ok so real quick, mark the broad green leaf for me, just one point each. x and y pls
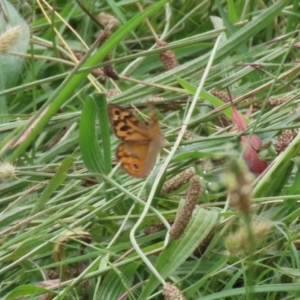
(14, 38)
(89, 147)
(177, 251)
(27, 291)
(118, 281)
(13, 25)
(279, 168)
(101, 105)
(201, 282)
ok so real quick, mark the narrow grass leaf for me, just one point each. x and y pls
(242, 49)
(205, 95)
(233, 15)
(294, 189)
(54, 183)
(268, 289)
(279, 181)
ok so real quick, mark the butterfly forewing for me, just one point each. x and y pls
(126, 126)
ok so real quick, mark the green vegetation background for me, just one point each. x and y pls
(73, 226)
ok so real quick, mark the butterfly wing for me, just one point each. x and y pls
(126, 126)
(138, 159)
(132, 157)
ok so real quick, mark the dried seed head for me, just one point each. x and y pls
(107, 20)
(99, 74)
(154, 99)
(240, 243)
(171, 292)
(178, 180)
(286, 137)
(102, 36)
(7, 171)
(52, 274)
(186, 212)
(295, 110)
(167, 57)
(10, 38)
(59, 252)
(276, 101)
(203, 245)
(238, 180)
(157, 227)
(78, 55)
(222, 95)
(226, 98)
(109, 70)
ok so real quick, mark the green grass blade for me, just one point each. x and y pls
(54, 183)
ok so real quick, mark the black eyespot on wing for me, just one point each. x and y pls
(136, 167)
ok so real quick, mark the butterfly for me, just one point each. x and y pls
(141, 143)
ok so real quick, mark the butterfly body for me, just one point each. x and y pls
(141, 143)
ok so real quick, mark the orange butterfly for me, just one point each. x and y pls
(141, 143)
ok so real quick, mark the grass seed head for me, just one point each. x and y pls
(186, 212)
(7, 171)
(167, 57)
(107, 20)
(286, 137)
(240, 243)
(10, 38)
(171, 292)
(178, 180)
(239, 180)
